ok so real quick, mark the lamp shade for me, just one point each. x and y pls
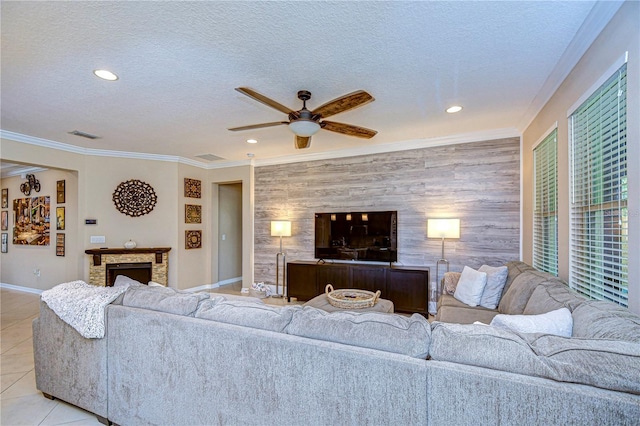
(443, 228)
(280, 228)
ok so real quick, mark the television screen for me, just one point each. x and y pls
(368, 236)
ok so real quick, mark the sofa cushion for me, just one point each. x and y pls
(558, 322)
(163, 299)
(598, 319)
(515, 299)
(515, 268)
(549, 297)
(607, 364)
(483, 346)
(246, 313)
(453, 310)
(386, 332)
(470, 286)
(496, 279)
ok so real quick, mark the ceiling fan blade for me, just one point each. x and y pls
(303, 142)
(348, 129)
(258, 126)
(343, 103)
(261, 98)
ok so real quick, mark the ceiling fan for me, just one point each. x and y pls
(304, 123)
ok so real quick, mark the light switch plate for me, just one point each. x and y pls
(98, 239)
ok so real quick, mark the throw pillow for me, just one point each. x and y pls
(496, 279)
(558, 322)
(451, 282)
(470, 286)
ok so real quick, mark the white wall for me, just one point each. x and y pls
(621, 35)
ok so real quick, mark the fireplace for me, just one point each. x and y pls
(141, 264)
(138, 271)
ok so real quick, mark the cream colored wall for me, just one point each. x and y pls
(229, 225)
(20, 261)
(195, 264)
(159, 228)
(244, 175)
(621, 35)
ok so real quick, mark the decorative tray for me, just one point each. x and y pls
(350, 298)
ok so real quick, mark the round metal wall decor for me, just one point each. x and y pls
(134, 198)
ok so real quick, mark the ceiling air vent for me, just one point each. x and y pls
(209, 157)
(83, 134)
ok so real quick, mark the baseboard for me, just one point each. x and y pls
(21, 288)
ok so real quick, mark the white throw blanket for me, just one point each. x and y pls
(81, 305)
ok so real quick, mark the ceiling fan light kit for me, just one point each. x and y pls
(304, 127)
(305, 123)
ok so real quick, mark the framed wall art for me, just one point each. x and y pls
(60, 193)
(192, 239)
(5, 198)
(31, 220)
(60, 218)
(192, 213)
(60, 244)
(5, 242)
(192, 188)
(5, 220)
(134, 198)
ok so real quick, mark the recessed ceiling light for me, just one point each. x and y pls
(105, 75)
(455, 108)
(252, 141)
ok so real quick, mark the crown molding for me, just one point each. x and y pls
(352, 152)
(394, 147)
(598, 18)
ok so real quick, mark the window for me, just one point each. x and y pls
(599, 217)
(545, 211)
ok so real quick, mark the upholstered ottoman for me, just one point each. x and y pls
(321, 302)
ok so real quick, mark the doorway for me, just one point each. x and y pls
(230, 234)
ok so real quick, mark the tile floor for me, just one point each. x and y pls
(21, 403)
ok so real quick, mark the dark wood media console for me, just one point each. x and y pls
(406, 287)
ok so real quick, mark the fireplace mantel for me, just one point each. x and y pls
(100, 258)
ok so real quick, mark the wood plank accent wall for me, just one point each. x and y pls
(477, 182)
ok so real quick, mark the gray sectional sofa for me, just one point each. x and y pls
(187, 359)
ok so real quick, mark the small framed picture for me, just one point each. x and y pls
(60, 194)
(193, 240)
(59, 244)
(5, 220)
(5, 198)
(192, 188)
(5, 242)
(192, 213)
(60, 218)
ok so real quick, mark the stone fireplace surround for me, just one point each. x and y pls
(158, 257)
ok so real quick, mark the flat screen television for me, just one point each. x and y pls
(366, 236)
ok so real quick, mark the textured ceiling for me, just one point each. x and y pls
(179, 62)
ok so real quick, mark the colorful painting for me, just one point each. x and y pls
(5, 198)
(5, 220)
(31, 217)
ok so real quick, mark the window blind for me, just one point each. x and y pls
(598, 212)
(545, 214)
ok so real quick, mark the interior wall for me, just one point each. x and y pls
(38, 267)
(621, 35)
(477, 182)
(230, 232)
(245, 176)
(194, 264)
